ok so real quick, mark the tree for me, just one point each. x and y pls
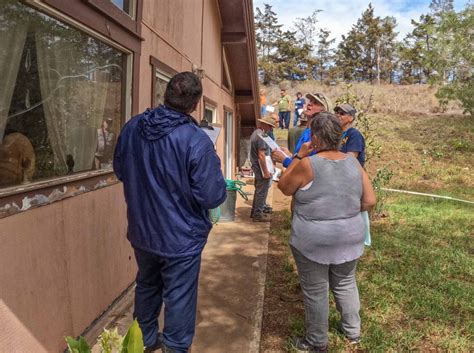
(366, 53)
(455, 49)
(292, 60)
(306, 28)
(324, 54)
(440, 7)
(267, 30)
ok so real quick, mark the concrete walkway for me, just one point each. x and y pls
(231, 289)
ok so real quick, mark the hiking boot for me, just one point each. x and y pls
(157, 346)
(301, 345)
(153, 349)
(268, 210)
(262, 218)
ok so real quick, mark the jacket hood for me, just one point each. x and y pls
(160, 122)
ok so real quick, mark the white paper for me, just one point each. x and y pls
(272, 144)
(213, 134)
(300, 111)
(270, 108)
(270, 165)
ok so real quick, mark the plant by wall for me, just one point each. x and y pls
(110, 341)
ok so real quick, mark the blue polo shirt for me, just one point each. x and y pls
(353, 141)
(305, 137)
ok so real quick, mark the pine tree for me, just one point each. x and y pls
(306, 28)
(366, 53)
(324, 54)
(267, 30)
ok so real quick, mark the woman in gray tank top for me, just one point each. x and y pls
(327, 233)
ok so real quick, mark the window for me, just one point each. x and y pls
(210, 114)
(210, 110)
(125, 5)
(62, 98)
(161, 81)
(162, 74)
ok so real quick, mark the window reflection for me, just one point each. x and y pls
(161, 81)
(60, 103)
(124, 5)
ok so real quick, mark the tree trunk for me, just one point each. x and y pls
(378, 63)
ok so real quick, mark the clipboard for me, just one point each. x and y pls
(210, 130)
(272, 144)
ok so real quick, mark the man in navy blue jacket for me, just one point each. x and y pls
(171, 177)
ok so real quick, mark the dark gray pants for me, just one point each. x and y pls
(316, 279)
(261, 192)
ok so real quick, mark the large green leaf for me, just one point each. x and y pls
(77, 346)
(133, 341)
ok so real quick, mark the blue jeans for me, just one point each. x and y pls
(284, 119)
(297, 116)
(173, 281)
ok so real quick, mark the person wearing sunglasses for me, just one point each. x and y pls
(352, 141)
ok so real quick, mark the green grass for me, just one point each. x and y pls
(416, 280)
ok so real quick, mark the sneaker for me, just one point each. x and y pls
(353, 341)
(301, 345)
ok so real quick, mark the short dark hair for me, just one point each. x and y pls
(327, 128)
(299, 93)
(183, 92)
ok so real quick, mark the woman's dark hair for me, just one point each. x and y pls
(183, 92)
(327, 128)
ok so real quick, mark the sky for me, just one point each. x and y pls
(339, 16)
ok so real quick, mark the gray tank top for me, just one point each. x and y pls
(327, 225)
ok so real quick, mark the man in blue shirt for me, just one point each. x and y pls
(171, 177)
(352, 140)
(317, 103)
(299, 106)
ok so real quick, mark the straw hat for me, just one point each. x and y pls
(267, 120)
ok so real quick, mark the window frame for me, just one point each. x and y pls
(211, 105)
(159, 67)
(129, 99)
(230, 155)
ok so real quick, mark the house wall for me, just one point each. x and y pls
(63, 264)
(185, 42)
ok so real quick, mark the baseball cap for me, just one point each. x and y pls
(346, 108)
(320, 98)
(267, 120)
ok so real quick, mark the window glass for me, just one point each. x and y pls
(210, 114)
(125, 5)
(161, 81)
(61, 98)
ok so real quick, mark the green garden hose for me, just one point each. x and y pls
(236, 185)
(231, 185)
